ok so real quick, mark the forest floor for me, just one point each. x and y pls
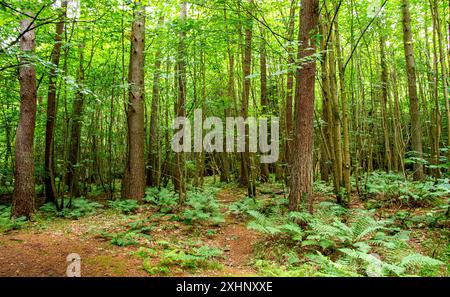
(151, 241)
(42, 249)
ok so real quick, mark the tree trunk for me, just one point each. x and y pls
(345, 125)
(75, 133)
(246, 68)
(153, 147)
(335, 124)
(326, 154)
(264, 102)
(302, 163)
(290, 82)
(443, 70)
(24, 194)
(224, 173)
(435, 133)
(384, 100)
(416, 130)
(179, 168)
(49, 179)
(133, 184)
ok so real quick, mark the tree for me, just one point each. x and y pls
(24, 193)
(179, 174)
(133, 183)
(290, 81)
(384, 100)
(414, 112)
(345, 123)
(75, 130)
(153, 161)
(302, 162)
(245, 179)
(49, 179)
(264, 99)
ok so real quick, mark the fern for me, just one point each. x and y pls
(418, 260)
(242, 207)
(165, 199)
(7, 223)
(203, 207)
(125, 206)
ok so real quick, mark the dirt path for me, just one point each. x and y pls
(42, 251)
(235, 239)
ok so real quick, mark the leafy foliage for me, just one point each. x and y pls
(79, 208)
(125, 206)
(6, 223)
(393, 188)
(356, 243)
(175, 257)
(240, 208)
(202, 207)
(165, 199)
(134, 233)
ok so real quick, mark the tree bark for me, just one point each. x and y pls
(335, 123)
(263, 99)
(326, 153)
(24, 194)
(345, 125)
(133, 184)
(49, 179)
(414, 110)
(153, 147)
(290, 83)
(302, 163)
(75, 132)
(246, 69)
(179, 168)
(384, 100)
(443, 70)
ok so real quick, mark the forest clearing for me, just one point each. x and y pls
(300, 138)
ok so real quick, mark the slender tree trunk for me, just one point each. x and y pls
(49, 179)
(24, 194)
(264, 101)
(399, 144)
(435, 135)
(153, 147)
(335, 124)
(246, 68)
(224, 173)
(345, 124)
(384, 100)
(179, 168)
(201, 155)
(133, 184)
(75, 133)
(414, 111)
(326, 153)
(111, 177)
(443, 69)
(290, 83)
(302, 163)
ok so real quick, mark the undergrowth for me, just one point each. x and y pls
(7, 223)
(79, 208)
(334, 241)
(175, 258)
(393, 188)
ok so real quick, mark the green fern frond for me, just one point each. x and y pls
(418, 260)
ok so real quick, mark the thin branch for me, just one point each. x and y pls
(363, 32)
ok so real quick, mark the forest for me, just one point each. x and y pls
(225, 138)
